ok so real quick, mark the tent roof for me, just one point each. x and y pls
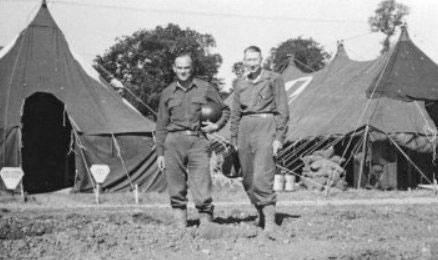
(335, 102)
(40, 61)
(408, 75)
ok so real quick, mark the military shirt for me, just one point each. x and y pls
(266, 94)
(180, 109)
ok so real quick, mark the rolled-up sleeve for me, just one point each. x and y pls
(161, 126)
(236, 115)
(282, 109)
(214, 96)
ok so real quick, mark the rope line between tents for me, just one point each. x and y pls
(127, 89)
(80, 146)
(119, 153)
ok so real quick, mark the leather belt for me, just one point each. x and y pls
(187, 132)
(259, 114)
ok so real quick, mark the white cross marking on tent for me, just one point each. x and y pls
(306, 81)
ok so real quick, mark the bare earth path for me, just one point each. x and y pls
(348, 225)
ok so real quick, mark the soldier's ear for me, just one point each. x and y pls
(174, 68)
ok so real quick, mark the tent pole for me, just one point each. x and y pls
(119, 153)
(364, 153)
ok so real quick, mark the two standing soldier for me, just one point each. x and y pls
(259, 119)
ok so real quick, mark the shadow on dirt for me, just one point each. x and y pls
(284, 217)
(234, 219)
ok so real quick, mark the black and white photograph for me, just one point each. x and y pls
(219, 129)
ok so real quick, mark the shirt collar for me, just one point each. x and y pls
(178, 86)
(261, 77)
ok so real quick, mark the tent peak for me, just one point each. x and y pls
(341, 50)
(44, 4)
(404, 36)
(291, 59)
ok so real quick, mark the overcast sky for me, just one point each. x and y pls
(92, 26)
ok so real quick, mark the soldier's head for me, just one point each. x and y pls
(183, 67)
(252, 59)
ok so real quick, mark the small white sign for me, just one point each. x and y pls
(11, 177)
(99, 172)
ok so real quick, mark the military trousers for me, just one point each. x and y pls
(187, 160)
(255, 137)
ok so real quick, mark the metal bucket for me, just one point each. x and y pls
(290, 183)
(278, 182)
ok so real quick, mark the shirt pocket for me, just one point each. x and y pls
(196, 105)
(173, 104)
(265, 95)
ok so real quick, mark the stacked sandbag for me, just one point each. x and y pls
(322, 169)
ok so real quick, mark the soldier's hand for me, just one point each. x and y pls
(276, 146)
(234, 143)
(209, 127)
(161, 163)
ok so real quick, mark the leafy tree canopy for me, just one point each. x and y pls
(387, 17)
(309, 55)
(143, 62)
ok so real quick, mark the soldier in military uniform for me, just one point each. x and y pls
(259, 117)
(182, 146)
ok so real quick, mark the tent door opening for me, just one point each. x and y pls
(46, 138)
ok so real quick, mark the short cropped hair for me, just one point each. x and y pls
(182, 54)
(252, 48)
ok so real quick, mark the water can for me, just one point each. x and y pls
(278, 182)
(290, 183)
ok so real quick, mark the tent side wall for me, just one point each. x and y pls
(10, 149)
(131, 158)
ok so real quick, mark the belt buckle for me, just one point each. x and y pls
(191, 133)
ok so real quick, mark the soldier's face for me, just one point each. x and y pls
(252, 61)
(183, 68)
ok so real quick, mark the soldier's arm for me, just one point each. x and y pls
(213, 95)
(161, 126)
(236, 115)
(282, 107)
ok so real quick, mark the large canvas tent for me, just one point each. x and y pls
(362, 106)
(58, 117)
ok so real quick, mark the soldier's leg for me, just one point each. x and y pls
(264, 171)
(246, 157)
(176, 176)
(199, 177)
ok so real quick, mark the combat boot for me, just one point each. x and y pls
(205, 218)
(260, 221)
(180, 217)
(269, 215)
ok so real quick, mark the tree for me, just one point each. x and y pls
(308, 54)
(143, 62)
(238, 69)
(387, 17)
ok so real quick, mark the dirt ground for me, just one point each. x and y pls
(344, 225)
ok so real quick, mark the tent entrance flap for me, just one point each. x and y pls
(46, 138)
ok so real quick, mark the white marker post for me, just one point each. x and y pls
(99, 172)
(136, 193)
(11, 177)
